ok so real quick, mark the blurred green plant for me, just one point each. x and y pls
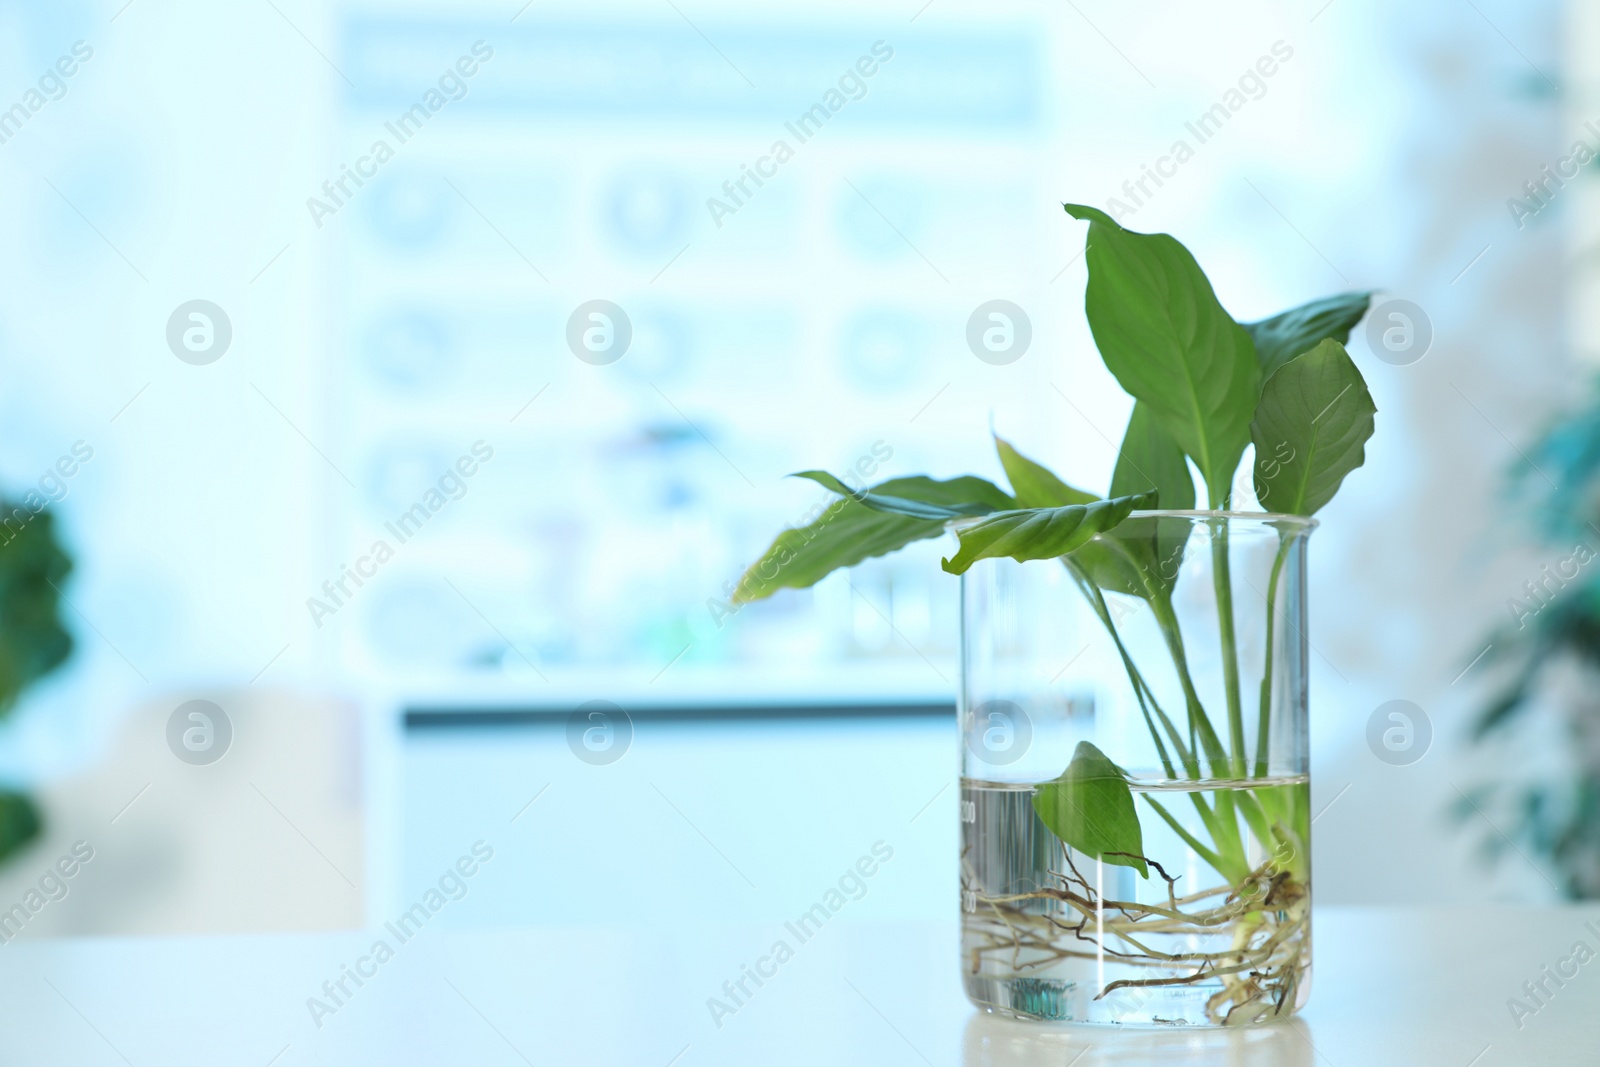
(1552, 635)
(32, 640)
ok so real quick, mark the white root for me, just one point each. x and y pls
(1256, 974)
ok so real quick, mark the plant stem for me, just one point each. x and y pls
(1226, 837)
(1216, 756)
(1264, 724)
(1216, 861)
(1223, 581)
(1153, 591)
(1255, 817)
(1225, 832)
(1221, 823)
(1141, 688)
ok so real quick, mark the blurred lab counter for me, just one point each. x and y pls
(1392, 986)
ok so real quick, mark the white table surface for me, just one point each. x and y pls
(1391, 987)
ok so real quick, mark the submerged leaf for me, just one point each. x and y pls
(1040, 533)
(1090, 807)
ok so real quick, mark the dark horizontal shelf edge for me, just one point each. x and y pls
(445, 718)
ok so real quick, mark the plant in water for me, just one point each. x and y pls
(1205, 389)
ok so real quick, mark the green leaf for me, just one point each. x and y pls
(1284, 336)
(19, 823)
(1112, 562)
(1113, 568)
(1090, 807)
(1040, 533)
(1167, 340)
(1035, 485)
(952, 492)
(1150, 459)
(1143, 562)
(1310, 429)
(33, 568)
(846, 531)
(910, 505)
(1128, 561)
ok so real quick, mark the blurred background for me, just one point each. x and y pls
(242, 343)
